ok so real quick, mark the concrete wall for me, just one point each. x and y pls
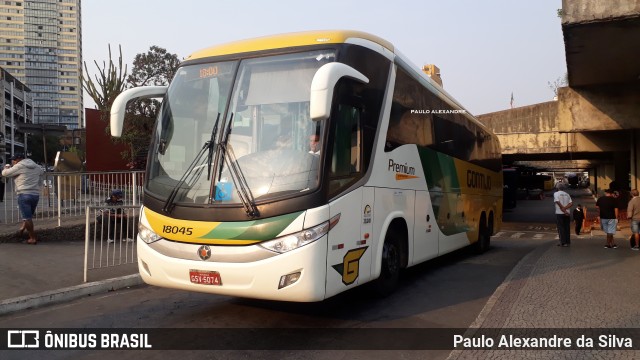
(572, 124)
(581, 11)
(599, 141)
(530, 129)
(601, 108)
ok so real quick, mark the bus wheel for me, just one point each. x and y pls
(484, 237)
(391, 264)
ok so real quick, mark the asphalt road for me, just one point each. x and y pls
(449, 292)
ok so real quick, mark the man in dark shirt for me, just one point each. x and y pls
(608, 216)
(115, 216)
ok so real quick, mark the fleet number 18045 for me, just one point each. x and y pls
(168, 229)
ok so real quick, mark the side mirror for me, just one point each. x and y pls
(323, 83)
(120, 104)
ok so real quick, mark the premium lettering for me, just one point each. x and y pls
(401, 168)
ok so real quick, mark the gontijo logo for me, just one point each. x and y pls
(403, 171)
(478, 180)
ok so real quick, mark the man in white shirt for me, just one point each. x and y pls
(563, 203)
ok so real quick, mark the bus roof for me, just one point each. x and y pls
(288, 40)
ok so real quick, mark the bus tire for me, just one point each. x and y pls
(390, 266)
(484, 236)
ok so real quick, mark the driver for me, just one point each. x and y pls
(314, 144)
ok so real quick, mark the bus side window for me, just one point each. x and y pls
(346, 162)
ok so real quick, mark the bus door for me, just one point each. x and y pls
(349, 255)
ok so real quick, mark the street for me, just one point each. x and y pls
(446, 293)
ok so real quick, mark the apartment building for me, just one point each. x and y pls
(17, 110)
(41, 46)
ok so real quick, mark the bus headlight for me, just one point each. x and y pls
(147, 235)
(302, 238)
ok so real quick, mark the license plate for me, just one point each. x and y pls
(205, 277)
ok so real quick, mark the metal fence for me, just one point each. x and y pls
(110, 236)
(68, 194)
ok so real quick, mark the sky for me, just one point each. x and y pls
(486, 50)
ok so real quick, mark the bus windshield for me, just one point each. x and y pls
(253, 115)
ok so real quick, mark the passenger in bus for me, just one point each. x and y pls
(284, 140)
(314, 144)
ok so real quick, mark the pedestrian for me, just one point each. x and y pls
(1, 189)
(114, 216)
(578, 217)
(633, 213)
(563, 203)
(608, 212)
(27, 179)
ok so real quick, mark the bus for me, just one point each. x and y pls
(298, 166)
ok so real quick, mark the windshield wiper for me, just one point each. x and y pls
(227, 156)
(170, 203)
(210, 146)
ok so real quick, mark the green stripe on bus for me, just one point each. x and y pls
(264, 229)
(441, 175)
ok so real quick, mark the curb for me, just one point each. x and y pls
(68, 294)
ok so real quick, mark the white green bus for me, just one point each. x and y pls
(297, 166)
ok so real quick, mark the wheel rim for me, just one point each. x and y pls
(391, 258)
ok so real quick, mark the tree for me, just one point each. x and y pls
(156, 67)
(36, 148)
(111, 82)
(561, 81)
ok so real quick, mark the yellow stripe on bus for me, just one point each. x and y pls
(178, 229)
(288, 40)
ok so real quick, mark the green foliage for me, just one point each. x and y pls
(156, 67)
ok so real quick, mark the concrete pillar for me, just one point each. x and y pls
(635, 159)
(622, 167)
(605, 174)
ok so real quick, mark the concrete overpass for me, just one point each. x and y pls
(595, 122)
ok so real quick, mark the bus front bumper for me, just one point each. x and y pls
(256, 279)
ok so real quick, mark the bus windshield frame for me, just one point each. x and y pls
(253, 114)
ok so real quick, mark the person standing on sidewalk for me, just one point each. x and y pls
(563, 203)
(27, 176)
(633, 213)
(578, 217)
(608, 216)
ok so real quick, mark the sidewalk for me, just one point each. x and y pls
(578, 287)
(52, 271)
